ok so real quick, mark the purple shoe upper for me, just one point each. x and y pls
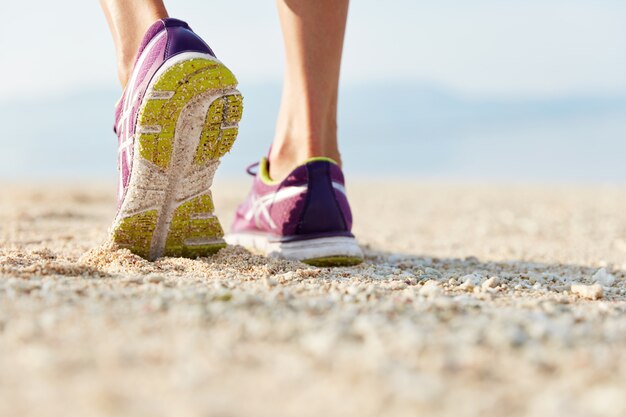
(162, 41)
(311, 202)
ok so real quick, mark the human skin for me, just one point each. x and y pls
(313, 34)
(128, 22)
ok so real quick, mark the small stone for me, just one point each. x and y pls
(603, 278)
(349, 298)
(467, 285)
(154, 279)
(409, 293)
(474, 278)
(430, 289)
(591, 292)
(286, 277)
(411, 281)
(397, 285)
(269, 281)
(408, 278)
(353, 290)
(469, 282)
(432, 272)
(490, 283)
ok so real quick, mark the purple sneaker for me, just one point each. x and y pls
(305, 217)
(178, 115)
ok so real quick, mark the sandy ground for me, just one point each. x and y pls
(473, 301)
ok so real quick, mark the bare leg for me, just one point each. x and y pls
(313, 32)
(128, 21)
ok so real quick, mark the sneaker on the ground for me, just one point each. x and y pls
(177, 116)
(305, 217)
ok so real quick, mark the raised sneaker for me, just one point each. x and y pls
(177, 117)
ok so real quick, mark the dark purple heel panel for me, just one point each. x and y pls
(336, 176)
(322, 213)
(182, 39)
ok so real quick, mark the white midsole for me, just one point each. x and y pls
(323, 247)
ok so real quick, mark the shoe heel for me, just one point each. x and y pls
(135, 233)
(194, 230)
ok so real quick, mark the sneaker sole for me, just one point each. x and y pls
(187, 122)
(322, 252)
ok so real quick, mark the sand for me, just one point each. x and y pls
(473, 301)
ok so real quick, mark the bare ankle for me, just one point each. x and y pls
(306, 128)
(127, 54)
(123, 73)
(290, 151)
(128, 22)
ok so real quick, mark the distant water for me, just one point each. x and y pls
(386, 130)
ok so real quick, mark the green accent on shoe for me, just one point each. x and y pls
(135, 233)
(220, 129)
(156, 148)
(264, 172)
(264, 168)
(186, 79)
(194, 230)
(330, 261)
(319, 158)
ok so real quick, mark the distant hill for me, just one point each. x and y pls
(386, 129)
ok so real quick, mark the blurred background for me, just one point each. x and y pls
(488, 90)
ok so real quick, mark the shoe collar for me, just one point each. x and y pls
(263, 172)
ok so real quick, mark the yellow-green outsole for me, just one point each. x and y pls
(193, 230)
(135, 233)
(330, 261)
(194, 221)
(187, 80)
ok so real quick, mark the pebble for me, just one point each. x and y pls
(474, 278)
(490, 283)
(397, 285)
(430, 289)
(269, 281)
(407, 277)
(353, 290)
(469, 282)
(432, 272)
(590, 292)
(286, 277)
(154, 279)
(603, 278)
(405, 327)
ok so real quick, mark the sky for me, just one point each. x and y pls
(503, 49)
(498, 90)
